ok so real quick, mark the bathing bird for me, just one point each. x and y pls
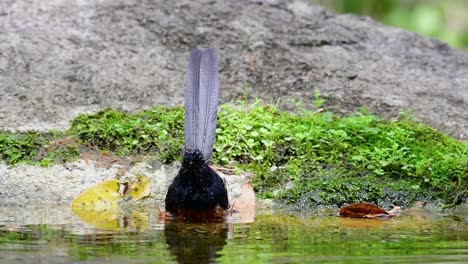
(198, 193)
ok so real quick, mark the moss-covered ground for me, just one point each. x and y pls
(307, 158)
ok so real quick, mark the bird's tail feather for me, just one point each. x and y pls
(201, 101)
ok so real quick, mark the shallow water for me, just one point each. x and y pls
(54, 235)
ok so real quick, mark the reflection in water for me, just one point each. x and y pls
(187, 242)
(195, 243)
(199, 242)
(50, 235)
(133, 220)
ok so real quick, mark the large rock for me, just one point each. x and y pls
(61, 58)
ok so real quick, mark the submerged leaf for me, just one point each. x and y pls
(114, 219)
(106, 219)
(138, 220)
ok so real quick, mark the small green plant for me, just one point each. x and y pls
(157, 130)
(318, 101)
(63, 149)
(431, 18)
(373, 159)
(306, 158)
(17, 147)
(34, 147)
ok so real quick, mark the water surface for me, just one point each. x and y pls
(54, 235)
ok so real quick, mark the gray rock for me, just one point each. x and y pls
(62, 58)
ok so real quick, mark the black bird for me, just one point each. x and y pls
(197, 192)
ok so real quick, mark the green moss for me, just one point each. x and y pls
(316, 158)
(37, 148)
(304, 158)
(20, 146)
(311, 158)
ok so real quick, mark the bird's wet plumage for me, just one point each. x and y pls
(197, 189)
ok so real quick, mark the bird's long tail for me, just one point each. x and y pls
(201, 101)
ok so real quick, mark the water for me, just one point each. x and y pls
(55, 235)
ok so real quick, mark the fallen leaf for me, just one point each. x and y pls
(246, 200)
(140, 188)
(244, 204)
(102, 196)
(106, 219)
(138, 220)
(114, 219)
(105, 195)
(363, 210)
(99, 205)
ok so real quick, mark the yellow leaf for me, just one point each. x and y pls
(107, 219)
(101, 197)
(140, 188)
(115, 220)
(138, 220)
(99, 205)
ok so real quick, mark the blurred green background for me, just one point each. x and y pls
(442, 19)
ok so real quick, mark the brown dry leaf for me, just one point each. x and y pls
(246, 200)
(245, 204)
(363, 210)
